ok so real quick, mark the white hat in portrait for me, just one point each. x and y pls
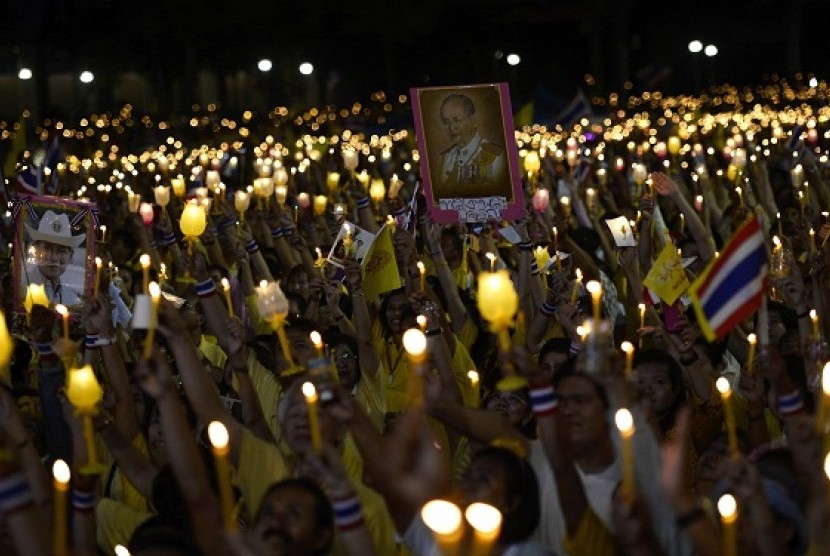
(55, 228)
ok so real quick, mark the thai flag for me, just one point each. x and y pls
(580, 107)
(49, 185)
(28, 180)
(731, 287)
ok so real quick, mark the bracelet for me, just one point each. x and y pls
(525, 246)
(547, 309)
(15, 493)
(168, 239)
(347, 513)
(43, 348)
(534, 268)
(205, 288)
(684, 520)
(790, 404)
(436, 332)
(276, 233)
(543, 400)
(363, 203)
(252, 247)
(94, 341)
(575, 347)
(83, 501)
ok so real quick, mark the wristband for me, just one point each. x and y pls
(347, 513)
(276, 233)
(398, 213)
(436, 332)
(252, 247)
(83, 501)
(543, 400)
(547, 309)
(525, 246)
(206, 288)
(91, 341)
(168, 240)
(686, 519)
(43, 348)
(575, 347)
(790, 404)
(15, 493)
(363, 203)
(534, 268)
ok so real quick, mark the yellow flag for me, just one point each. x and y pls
(667, 278)
(380, 270)
(524, 117)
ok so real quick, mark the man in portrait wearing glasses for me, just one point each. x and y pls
(472, 166)
(52, 248)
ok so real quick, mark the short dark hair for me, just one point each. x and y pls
(675, 375)
(466, 102)
(159, 532)
(322, 506)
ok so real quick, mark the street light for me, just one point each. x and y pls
(711, 50)
(86, 77)
(695, 46)
(306, 68)
(24, 74)
(264, 65)
(513, 59)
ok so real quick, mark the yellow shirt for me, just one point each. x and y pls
(591, 537)
(115, 523)
(258, 325)
(212, 352)
(268, 391)
(370, 395)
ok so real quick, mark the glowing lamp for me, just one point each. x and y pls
(497, 298)
(271, 301)
(241, 201)
(320, 203)
(193, 221)
(162, 195)
(82, 389)
(673, 145)
(377, 190)
(146, 212)
(350, 159)
(281, 193)
(532, 163)
(212, 178)
(333, 180)
(541, 199)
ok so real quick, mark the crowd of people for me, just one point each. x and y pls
(407, 439)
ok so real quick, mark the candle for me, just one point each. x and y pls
(155, 297)
(273, 307)
(641, 307)
(778, 218)
(390, 221)
(162, 195)
(422, 322)
(492, 258)
(64, 312)
(728, 509)
(575, 291)
(722, 384)
(317, 340)
(752, 340)
(415, 343)
(682, 224)
(625, 423)
(310, 394)
(84, 393)
(219, 441)
(498, 302)
(628, 349)
(565, 203)
(824, 401)
(144, 261)
(595, 289)
(444, 520)
(814, 322)
(333, 180)
(103, 228)
(377, 190)
(422, 270)
(812, 244)
(347, 240)
(474, 381)
(178, 185)
(226, 288)
(739, 191)
(133, 201)
(486, 523)
(61, 475)
(99, 265)
(241, 202)
(699, 203)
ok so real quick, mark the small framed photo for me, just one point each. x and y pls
(55, 248)
(469, 160)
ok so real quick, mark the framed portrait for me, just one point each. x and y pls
(55, 248)
(469, 160)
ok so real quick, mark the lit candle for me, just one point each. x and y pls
(575, 291)
(155, 297)
(144, 261)
(64, 312)
(162, 195)
(61, 475)
(641, 307)
(422, 322)
(778, 218)
(812, 244)
(99, 265)
(625, 424)
(486, 523)
(226, 288)
(492, 258)
(474, 381)
(390, 221)
(219, 440)
(103, 228)
(347, 240)
(498, 302)
(84, 393)
(415, 343)
(699, 203)
(722, 384)
(739, 191)
(444, 520)
(595, 289)
(728, 509)
(628, 349)
(422, 270)
(310, 394)
(814, 321)
(682, 224)
(752, 340)
(317, 340)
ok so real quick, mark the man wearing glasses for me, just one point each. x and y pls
(472, 166)
(52, 248)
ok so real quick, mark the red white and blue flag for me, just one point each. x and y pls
(731, 287)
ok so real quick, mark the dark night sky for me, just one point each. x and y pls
(393, 44)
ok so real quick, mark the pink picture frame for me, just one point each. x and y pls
(468, 154)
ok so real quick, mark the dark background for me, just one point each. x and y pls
(369, 45)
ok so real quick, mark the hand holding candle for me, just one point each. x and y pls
(310, 394)
(226, 289)
(219, 440)
(595, 289)
(64, 313)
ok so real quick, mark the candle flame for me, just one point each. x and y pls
(218, 434)
(752, 338)
(727, 507)
(155, 291)
(309, 391)
(441, 516)
(60, 471)
(144, 260)
(624, 421)
(61, 309)
(484, 518)
(414, 342)
(627, 347)
(722, 384)
(593, 287)
(226, 285)
(473, 376)
(316, 339)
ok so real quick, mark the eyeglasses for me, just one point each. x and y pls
(347, 356)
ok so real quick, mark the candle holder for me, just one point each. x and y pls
(498, 302)
(84, 393)
(595, 354)
(273, 308)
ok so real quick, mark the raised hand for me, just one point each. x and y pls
(663, 184)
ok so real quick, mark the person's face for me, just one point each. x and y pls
(395, 309)
(52, 259)
(582, 412)
(155, 439)
(193, 320)
(459, 125)
(451, 251)
(301, 347)
(711, 467)
(296, 426)
(287, 523)
(653, 384)
(297, 284)
(510, 406)
(485, 482)
(551, 362)
(348, 370)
